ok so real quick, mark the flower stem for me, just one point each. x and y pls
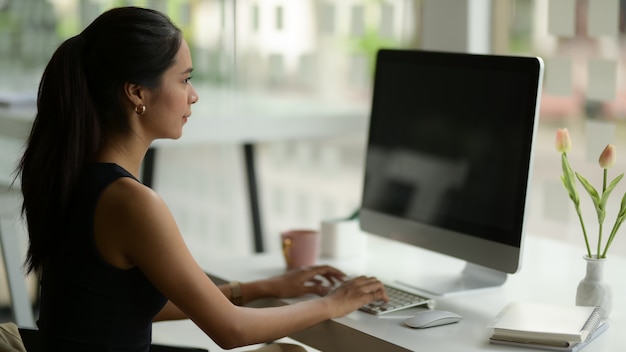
(599, 238)
(582, 224)
(604, 175)
(618, 223)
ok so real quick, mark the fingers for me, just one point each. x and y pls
(366, 287)
(325, 277)
(356, 292)
(325, 280)
(373, 287)
(380, 295)
(328, 272)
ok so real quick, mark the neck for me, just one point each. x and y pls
(127, 152)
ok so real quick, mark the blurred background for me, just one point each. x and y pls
(313, 60)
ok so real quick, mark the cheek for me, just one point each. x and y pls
(171, 103)
(177, 100)
(168, 102)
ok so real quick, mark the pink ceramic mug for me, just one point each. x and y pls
(300, 247)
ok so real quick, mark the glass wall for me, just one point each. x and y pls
(320, 48)
(303, 57)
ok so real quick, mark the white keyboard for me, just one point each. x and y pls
(398, 299)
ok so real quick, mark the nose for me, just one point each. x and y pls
(194, 96)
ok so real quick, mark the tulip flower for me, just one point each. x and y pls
(608, 156)
(563, 141)
(606, 161)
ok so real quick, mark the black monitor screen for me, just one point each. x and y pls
(450, 141)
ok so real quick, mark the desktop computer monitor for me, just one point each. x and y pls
(449, 158)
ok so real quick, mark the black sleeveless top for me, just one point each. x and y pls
(87, 304)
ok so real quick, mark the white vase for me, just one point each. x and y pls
(593, 290)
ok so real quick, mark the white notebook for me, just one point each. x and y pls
(572, 348)
(547, 324)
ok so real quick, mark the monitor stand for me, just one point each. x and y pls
(473, 278)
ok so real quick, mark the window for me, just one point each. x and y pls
(326, 55)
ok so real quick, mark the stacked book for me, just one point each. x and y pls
(547, 326)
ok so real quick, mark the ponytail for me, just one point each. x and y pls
(64, 137)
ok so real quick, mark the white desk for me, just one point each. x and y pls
(550, 273)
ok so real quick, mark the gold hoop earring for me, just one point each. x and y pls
(140, 109)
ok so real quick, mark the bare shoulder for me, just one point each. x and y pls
(127, 192)
(128, 217)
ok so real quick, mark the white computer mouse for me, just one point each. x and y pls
(431, 318)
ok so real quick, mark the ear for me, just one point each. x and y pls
(134, 93)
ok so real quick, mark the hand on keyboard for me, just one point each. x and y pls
(355, 293)
(398, 299)
(317, 279)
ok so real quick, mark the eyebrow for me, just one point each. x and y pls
(189, 70)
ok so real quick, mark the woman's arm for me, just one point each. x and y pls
(316, 279)
(145, 235)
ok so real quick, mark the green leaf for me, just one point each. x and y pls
(590, 189)
(568, 180)
(622, 208)
(621, 215)
(608, 190)
(573, 195)
(616, 226)
(595, 197)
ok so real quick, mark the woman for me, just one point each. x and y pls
(111, 256)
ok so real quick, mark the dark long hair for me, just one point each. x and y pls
(79, 102)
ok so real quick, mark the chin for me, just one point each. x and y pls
(171, 135)
(175, 137)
